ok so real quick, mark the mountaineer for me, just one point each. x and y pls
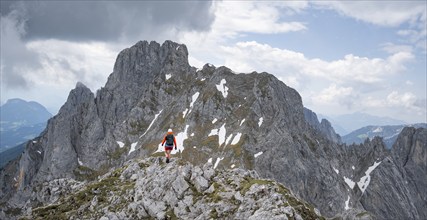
(170, 142)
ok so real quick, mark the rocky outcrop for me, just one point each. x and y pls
(324, 127)
(403, 174)
(150, 188)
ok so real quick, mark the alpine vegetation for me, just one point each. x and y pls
(245, 148)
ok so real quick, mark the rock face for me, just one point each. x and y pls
(324, 126)
(404, 173)
(247, 121)
(150, 188)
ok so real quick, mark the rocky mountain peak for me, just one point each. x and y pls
(247, 121)
(143, 61)
(324, 127)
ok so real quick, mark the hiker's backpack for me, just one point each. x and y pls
(169, 139)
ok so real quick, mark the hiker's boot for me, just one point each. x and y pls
(167, 159)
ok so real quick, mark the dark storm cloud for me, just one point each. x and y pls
(109, 20)
(112, 21)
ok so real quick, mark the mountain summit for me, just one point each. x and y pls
(248, 121)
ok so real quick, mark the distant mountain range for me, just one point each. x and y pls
(389, 133)
(344, 124)
(21, 121)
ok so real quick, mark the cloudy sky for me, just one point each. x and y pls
(342, 57)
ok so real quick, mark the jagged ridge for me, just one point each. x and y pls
(150, 188)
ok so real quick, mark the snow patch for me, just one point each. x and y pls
(39, 152)
(260, 121)
(80, 162)
(121, 144)
(180, 137)
(132, 147)
(349, 182)
(203, 79)
(222, 88)
(221, 134)
(210, 160)
(168, 76)
(177, 47)
(378, 129)
(242, 122)
(352, 167)
(194, 147)
(336, 171)
(213, 132)
(192, 135)
(232, 165)
(228, 139)
(258, 154)
(346, 203)
(236, 139)
(217, 161)
(364, 181)
(152, 122)
(34, 142)
(194, 98)
(213, 121)
(184, 113)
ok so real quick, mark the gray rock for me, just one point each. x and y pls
(323, 127)
(248, 121)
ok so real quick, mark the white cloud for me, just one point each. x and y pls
(395, 48)
(406, 100)
(338, 82)
(232, 18)
(350, 83)
(409, 83)
(332, 93)
(390, 13)
(68, 62)
(236, 19)
(250, 56)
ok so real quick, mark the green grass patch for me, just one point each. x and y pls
(248, 182)
(359, 215)
(13, 211)
(85, 173)
(115, 155)
(170, 215)
(214, 196)
(101, 189)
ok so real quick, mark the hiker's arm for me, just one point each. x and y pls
(164, 139)
(174, 141)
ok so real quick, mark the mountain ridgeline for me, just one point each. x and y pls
(234, 121)
(20, 121)
(389, 133)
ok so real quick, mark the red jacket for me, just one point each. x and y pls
(164, 139)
